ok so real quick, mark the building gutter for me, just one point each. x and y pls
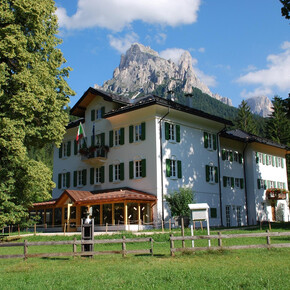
(161, 162)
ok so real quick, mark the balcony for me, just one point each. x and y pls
(94, 155)
(276, 193)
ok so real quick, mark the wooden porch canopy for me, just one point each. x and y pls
(80, 197)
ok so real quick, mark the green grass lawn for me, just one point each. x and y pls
(240, 269)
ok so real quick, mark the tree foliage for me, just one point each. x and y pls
(33, 93)
(178, 201)
(278, 125)
(285, 10)
(244, 120)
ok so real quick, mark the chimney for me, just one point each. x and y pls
(189, 100)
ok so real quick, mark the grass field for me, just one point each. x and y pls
(243, 269)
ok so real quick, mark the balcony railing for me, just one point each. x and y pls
(94, 154)
(276, 193)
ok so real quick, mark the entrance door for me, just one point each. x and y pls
(273, 209)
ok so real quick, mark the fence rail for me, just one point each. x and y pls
(74, 252)
(220, 237)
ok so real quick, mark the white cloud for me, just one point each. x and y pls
(160, 38)
(201, 50)
(175, 53)
(116, 14)
(256, 93)
(123, 44)
(275, 76)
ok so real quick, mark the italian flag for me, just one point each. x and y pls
(81, 133)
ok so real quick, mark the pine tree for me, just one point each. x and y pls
(278, 125)
(33, 93)
(245, 121)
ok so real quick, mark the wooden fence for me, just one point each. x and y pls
(74, 244)
(220, 246)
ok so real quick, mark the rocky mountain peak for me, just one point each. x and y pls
(142, 70)
(260, 105)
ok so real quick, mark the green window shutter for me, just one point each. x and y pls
(92, 175)
(223, 154)
(225, 181)
(265, 184)
(111, 173)
(178, 133)
(257, 157)
(111, 143)
(102, 139)
(68, 150)
(259, 183)
(267, 159)
(213, 212)
(102, 173)
(268, 184)
(75, 147)
(59, 180)
(143, 131)
(207, 173)
(84, 181)
(205, 137)
(231, 156)
(143, 167)
(93, 115)
(264, 159)
(242, 183)
(166, 131)
(276, 161)
(282, 162)
(284, 185)
(122, 136)
(232, 182)
(60, 151)
(75, 178)
(167, 167)
(216, 175)
(131, 169)
(131, 134)
(68, 179)
(179, 169)
(92, 140)
(122, 171)
(240, 158)
(214, 141)
(102, 111)
(273, 161)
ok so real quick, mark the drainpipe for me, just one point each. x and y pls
(161, 162)
(245, 179)
(219, 173)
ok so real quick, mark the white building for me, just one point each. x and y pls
(136, 153)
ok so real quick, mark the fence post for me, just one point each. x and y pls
(18, 230)
(182, 232)
(25, 250)
(64, 228)
(151, 250)
(74, 246)
(269, 225)
(170, 225)
(268, 239)
(124, 247)
(201, 225)
(171, 245)
(220, 242)
(106, 228)
(34, 229)
(162, 226)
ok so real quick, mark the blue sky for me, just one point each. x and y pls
(240, 49)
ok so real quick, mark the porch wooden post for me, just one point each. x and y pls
(139, 213)
(126, 214)
(113, 214)
(68, 217)
(101, 214)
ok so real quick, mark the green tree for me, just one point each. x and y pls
(33, 93)
(285, 10)
(278, 125)
(244, 120)
(178, 202)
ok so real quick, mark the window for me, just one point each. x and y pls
(227, 155)
(137, 132)
(65, 149)
(172, 132)
(64, 180)
(228, 215)
(137, 168)
(239, 216)
(271, 184)
(173, 168)
(213, 212)
(97, 114)
(211, 174)
(97, 175)
(237, 182)
(117, 137)
(209, 141)
(269, 160)
(80, 178)
(116, 172)
(279, 162)
(280, 185)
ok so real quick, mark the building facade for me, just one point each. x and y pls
(135, 153)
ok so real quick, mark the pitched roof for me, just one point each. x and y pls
(80, 107)
(243, 136)
(152, 100)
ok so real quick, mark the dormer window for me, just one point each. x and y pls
(97, 114)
